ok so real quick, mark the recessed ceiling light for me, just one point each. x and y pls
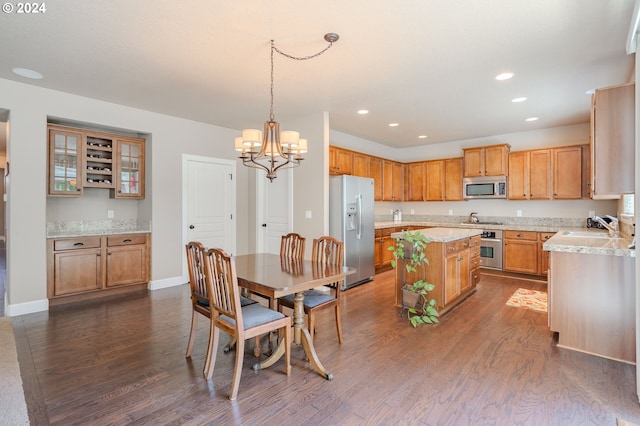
(504, 76)
(24, 72)
(532, 119)
(393, 124)
(422, 137)
(520, 99)
(363, 111)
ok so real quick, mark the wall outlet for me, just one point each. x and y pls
(109, 214)
(519, 213)
(413, 211)
(450, 212)
(592, 213)
(307, 214)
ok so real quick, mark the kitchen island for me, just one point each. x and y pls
(454, 261)
(591, 292)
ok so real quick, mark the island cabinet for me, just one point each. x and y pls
(475, 259)
(486, 161)
(450, 267)
(80, 268)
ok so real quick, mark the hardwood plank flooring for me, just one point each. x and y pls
(121, 361)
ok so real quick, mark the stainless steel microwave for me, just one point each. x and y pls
(485, 187)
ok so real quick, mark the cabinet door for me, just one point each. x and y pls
(375, 172)
(130, 169)
(451, 278)
(392, 181)
(520, 256)
(435, 180)
(65, 161)
(464, 276)
(127, 265)
(473, 162)
(360, 165)
(543, 256)
(613, 141)
(567, 172)
(387, 255)
(415, 181)
(540, 174)
(518, 184)
(77, 271)
(453, 179)
(495, 160)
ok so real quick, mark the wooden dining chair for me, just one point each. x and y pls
(292, 246)
(326, 251)
(200, 303)
(241, 322)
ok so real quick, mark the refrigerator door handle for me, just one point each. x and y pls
(359, 217)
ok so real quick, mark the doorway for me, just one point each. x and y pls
(275, 211)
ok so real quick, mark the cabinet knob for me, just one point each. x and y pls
(191, 226)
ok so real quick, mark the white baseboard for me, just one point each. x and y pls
(166, 282)
(27, 308)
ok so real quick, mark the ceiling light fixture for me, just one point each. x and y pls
(27, 73)
(363, 111)
(272, 150)
(393, 124)
(532, 119)
(422, 137)
(520, 99)
(504, 76)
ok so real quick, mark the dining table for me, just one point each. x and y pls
(273, 276)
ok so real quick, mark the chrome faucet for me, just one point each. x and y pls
(473, 218)
(611, 227)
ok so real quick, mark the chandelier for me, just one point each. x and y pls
(272, 149)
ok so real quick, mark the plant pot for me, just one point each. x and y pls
(410, 299)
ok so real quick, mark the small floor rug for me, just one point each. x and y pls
(530, 299)
(13, 408)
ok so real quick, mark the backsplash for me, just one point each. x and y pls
(504, 220)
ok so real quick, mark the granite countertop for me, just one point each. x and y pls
(444, 235)
(97, 228)
(599, 243)
(481, 226)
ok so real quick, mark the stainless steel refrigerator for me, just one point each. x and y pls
(351, 220)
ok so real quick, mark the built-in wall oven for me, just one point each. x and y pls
(491, 249)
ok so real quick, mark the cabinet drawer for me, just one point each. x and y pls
(521, 235)
(476, 241)
(125, 240)
(475, 262)
(475, 251)
(456, 246)
(475, 276)
(76, 243)
(544, 236)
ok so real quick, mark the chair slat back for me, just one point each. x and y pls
(327, 250)
(197, 280)
(220, 271)
(292, 246)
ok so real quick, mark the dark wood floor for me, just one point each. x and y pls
(122, 361)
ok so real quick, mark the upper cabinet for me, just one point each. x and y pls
(360, 164)
(80, 158)
(392, 181)
(375, 172)
(414, 181)
(530, 175)
(65, 161)
(486, 161)
(612, 141)
(340, 161)
(567, 172)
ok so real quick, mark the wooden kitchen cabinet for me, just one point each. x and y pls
(520, 252)
(486, 161)
(360, 165)
(82, 158)
(382, 255)
(340, 161)
(90, 267)
(415, 181)
(613, 141)
(474, 259)
(530, 175)
(66, 149)
(435, 180)
(567, 172)
(392, 181)
(543, 256)
(443, 180)
(457, 272)
(375, 173)
(453, 179)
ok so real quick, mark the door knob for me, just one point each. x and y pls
(264, 225)
(191, 226)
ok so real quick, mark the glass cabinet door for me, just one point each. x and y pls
(130, 175)
(65, 159)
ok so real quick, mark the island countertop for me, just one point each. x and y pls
(443, 235)
(589, 242)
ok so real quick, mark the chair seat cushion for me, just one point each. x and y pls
(253, 315)
(244, 301)
(313, 298)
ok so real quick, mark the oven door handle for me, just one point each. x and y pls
(489, 239)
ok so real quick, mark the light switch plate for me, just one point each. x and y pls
(307, 214)
(109, 214)
(519, 213)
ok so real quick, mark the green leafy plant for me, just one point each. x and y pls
(410, 249)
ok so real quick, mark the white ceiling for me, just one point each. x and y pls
(428, 65)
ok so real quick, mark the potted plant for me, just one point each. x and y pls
(410, 249)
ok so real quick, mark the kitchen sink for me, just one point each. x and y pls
(587, 234)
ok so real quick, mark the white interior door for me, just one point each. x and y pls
(210, 202)
(275, 212)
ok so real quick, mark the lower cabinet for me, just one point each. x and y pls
(474, 256)
(520, 252)
(87, 267)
